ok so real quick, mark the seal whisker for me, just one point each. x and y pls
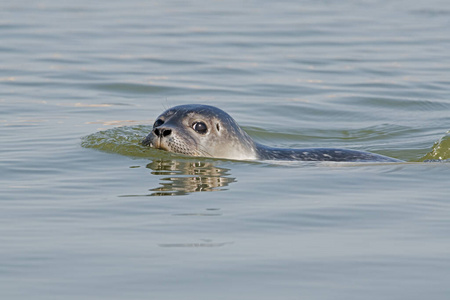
(203, 151)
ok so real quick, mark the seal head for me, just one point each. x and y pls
(200, 130)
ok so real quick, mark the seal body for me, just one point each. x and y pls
(203, 130)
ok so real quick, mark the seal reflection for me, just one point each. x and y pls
(184, 177)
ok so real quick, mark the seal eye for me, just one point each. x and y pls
(158, 122)
(200, 127)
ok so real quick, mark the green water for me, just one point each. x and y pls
(125, 140)
(441, 149)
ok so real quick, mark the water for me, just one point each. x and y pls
(86, 212)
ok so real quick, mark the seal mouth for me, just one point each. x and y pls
(153, 141)
(148, 141)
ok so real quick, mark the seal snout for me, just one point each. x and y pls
(154, 139)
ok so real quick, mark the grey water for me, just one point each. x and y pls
(86, 212)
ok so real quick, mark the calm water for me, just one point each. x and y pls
(87, 213)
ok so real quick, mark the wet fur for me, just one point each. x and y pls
(226, 139)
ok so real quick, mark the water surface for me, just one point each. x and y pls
(86, 212)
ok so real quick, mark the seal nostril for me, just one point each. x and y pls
(162, 132)
(166, 132)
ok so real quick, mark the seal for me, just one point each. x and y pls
(203, 130)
